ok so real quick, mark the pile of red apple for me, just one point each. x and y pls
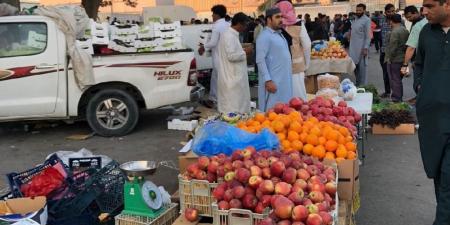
(294, 188)
(324, 110)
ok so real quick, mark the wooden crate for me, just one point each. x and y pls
(402, 129)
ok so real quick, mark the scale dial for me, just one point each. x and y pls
(151, 195)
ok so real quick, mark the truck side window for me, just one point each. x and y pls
(22, 39)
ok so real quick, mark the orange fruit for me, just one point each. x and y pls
(296, 126)
(251, 130)
(344, 131)
(285, 144)
(272, 116)
(341, 152)
(350, 146)
(260, 117)
(329, 155)
(281, 136)
(303, 137)
(278, 126)
(308, 124)
(308, 148)
(295, 115)
(349, 138)
(240, 124)
(266, 124)
(319, 152)
(331, 146)
(339, 160)
(351, 155)
(313, 120)
(249, 122)
(315, 130)
(293, 136)
(286, 121)
(333, 135)
(297, 145)
(255, 123)
(341, 140)
(312, 139)
(322, 141)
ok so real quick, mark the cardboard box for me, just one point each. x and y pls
(311, 84)
(401, 129)
(348, 183)
(185, 160)
(24, 208)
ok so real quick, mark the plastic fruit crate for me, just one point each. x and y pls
(196, 194)
(237, 216)
(166, 218)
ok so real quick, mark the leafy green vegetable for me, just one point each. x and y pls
(390, 106)
(391, 118)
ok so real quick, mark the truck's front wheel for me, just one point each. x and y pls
(112, 112)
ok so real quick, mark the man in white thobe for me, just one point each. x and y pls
(360, 43)
(220, 25)
(233, 91)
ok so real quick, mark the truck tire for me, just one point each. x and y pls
(112, 112)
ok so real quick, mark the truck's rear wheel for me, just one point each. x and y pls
(112, 112)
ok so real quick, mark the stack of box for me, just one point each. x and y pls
(169, 36)
(99, 33)
(123, 38)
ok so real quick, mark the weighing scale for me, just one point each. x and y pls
(141, 197)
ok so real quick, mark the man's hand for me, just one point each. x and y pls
(248, 50)
(201, 50)
(404, 71)
(271, 86)
(365, 52)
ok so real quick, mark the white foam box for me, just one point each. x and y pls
(86, 45)
(100, 40)
(116, 30)
(146, 44)
(120, 48)
(166, 26)
(99, 29)
(177, 124)
(124, 37)
(145, 32)
(170, 47)
(168, 34)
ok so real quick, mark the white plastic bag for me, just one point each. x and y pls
(347, 90)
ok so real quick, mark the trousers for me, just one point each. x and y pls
(361, 72)
(387, 86)
(395, 81)
(442, 190)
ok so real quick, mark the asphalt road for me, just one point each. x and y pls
(394, 188)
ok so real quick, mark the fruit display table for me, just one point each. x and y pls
(362, 104)
(339, 66)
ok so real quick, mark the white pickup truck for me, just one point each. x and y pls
(38, 83)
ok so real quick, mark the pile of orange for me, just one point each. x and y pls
(319, 139)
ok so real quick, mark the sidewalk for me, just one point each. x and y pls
(394, 187)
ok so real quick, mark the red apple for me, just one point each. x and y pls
(295, 156)
(218, 193)
(191, 214)
(275, 180)
(237, 164)
(201, 175)
(228, 195)
(296, 103)
(266, 173)
(262, 162)
(277, 168)
(259, 194)
(265, 153)
(283, 207)
(314, 219)
(342, 104)
(297, 197)
(326, 218)
(323, 206)
(266, 221)
(267, 187)
(203, 162)
(224, 205)
(255, 171)
(286, 160)
(249, 190)
(255, 181)
(316, 196)
(228, 166)
(315, 186)
(229, 176)
(233, 183)
(249, 202)
(192, 169)
(211, 177)
(297, 164)
(290, 175)
(300, 213)
(283, 188)
(248, 163)
(301, 184)
(284, 222)
(298, 223)
(318, 179)
(237, 155)
(265, 200)
(242, 175)
(220, 171)
(278, 108)
(312, 208)
(303, 174)
(328, 198)
(213, 166)
(272, 159)
(235, 204)
(313, 170)
(259, 208)
(238, 192)
(331, 188)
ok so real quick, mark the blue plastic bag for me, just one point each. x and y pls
(219, 137)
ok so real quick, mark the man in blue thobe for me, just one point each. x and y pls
(274, 63)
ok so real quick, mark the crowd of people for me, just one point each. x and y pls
(282, 43)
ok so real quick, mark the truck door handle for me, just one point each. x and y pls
(44, 66)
